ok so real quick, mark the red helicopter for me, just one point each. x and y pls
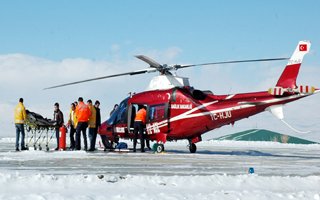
(177, 111)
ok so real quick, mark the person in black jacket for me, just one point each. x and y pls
(98, 115)
(58, 118)
(98, 124)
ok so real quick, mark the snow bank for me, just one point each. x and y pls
(218, 171)
(16, 186)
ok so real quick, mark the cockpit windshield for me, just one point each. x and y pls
(119, 114)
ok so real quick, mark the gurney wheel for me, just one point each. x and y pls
(40, 148)
(47, 148)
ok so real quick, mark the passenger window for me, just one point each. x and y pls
(157, 112)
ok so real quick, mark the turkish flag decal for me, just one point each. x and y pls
(303, 47)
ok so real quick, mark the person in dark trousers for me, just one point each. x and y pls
(98, 114)
(92, 126)
(58, 118)
(82, 113)
(72, 124)
(148, 143)
(20, 117)
(139, 123)
(98, 124)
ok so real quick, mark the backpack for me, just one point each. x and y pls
(121, 145)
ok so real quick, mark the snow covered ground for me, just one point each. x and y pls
(219, 170)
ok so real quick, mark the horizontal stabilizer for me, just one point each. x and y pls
(301, 89)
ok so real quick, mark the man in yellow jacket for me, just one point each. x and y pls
(20, 116)
(72, 124)
(92, 126)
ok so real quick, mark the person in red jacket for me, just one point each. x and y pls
(139, 123)
(83, 113)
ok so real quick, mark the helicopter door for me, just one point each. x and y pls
(132, 109)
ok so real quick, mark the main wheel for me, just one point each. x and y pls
(192, 148)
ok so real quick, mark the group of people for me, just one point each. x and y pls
(81, 117)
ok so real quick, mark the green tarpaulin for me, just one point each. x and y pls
(264, 135)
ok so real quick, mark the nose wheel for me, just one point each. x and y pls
(158, 148)
(192, 147)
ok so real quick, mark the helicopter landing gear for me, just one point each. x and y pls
(159, 148)
(192, 144)
(192, 147)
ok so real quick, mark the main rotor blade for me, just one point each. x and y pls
(148, 60)
(230, 62)
(104, 77)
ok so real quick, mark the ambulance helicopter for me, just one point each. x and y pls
(177, 111)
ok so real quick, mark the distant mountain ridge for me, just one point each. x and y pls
(264, 135)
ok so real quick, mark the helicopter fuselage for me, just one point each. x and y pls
(185, 113)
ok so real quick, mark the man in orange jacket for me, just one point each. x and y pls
(83, 113)
(139, 123)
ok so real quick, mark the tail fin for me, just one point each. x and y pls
(289, 75)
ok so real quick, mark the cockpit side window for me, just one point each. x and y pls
(119, 115)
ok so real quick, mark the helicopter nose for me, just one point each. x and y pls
(103, 128)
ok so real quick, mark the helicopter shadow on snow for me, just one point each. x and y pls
(252, 153)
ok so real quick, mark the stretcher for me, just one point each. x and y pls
(40, 131)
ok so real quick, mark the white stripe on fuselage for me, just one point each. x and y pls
(230, 96)
(238, 107)
(188, 114)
